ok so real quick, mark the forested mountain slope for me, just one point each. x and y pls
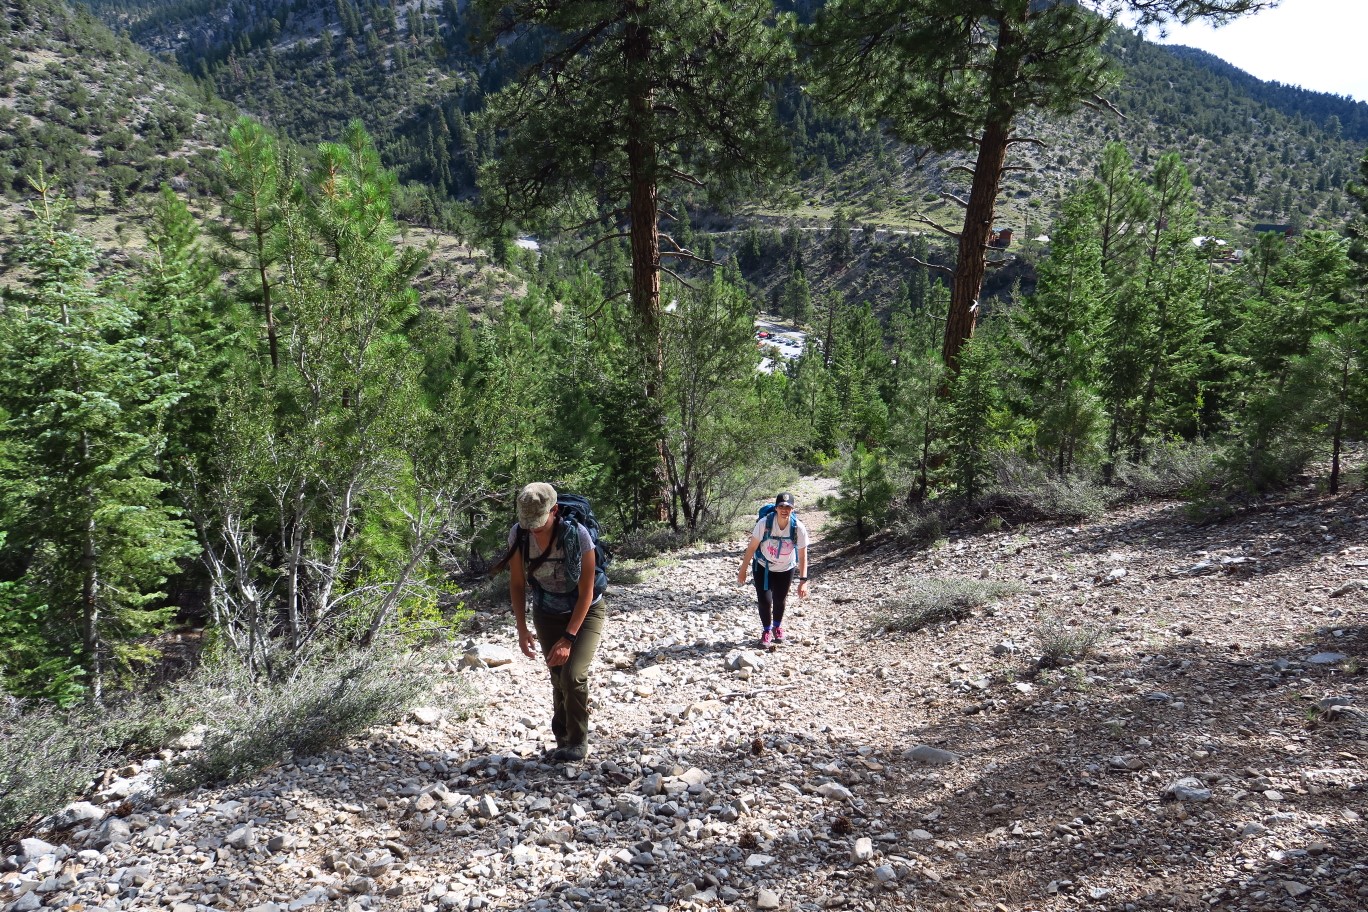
(1258, 152)
(309, 66)
(1350, 116)
(102, 118)
(1255, 156)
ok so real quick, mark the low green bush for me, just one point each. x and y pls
(1028, 491)
(49, 756)
(1176, 469)
(253, 723)
(918, 528)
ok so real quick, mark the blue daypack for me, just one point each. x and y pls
(767, 513)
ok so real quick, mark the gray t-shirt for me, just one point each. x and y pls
(555, 592)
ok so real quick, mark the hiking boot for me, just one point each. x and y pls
(778, 634)
(766, 637)
(573, 753)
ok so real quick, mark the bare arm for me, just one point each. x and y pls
(746, 558)
(517, 597)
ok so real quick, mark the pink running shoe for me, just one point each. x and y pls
(765, 637)
(778, 634)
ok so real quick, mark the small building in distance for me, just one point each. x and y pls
(1000, 238)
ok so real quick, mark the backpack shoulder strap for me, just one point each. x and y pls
(519, 544)
(530, 567)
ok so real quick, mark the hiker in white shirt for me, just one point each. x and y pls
(778, 551)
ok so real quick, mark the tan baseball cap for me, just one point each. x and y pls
(535, 503)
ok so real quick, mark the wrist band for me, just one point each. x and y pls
(570, 636)
(802, 579)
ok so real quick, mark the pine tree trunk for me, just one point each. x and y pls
(971, 262)
(90, 605)
(1338, 436)
(644, 208)
(271, 340)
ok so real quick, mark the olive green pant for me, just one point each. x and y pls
(570, 682)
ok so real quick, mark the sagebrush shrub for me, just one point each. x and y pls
(938, 601)
(1061, 644)
(49, 756)
(254, 723)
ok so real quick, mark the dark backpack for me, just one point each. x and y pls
(767, 513)
(573, 509)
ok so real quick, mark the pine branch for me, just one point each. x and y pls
(606, 237)
(1098, 103)
(937, 226)
(620, 210)
(683, 254)
(945, 269)
(686, 177)
(678, 278)
(605, 302)
(946, 194)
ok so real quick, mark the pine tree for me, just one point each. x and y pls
(1056, 336)
(715, 423)
(959, 74)
(85, 409)
(190, 337)
(796, 302)
(974, 415)
(866, 492)
(252, 170)
(634, 97)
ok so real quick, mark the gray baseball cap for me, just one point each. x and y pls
(535, 503)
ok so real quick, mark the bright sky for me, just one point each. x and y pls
(1316, 44)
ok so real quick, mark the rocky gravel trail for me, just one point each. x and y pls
(1212, 751)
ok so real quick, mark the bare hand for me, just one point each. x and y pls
(526, 643)
(803, 589)
(560, 654)
(741, 577)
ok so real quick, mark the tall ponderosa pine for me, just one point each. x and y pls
(959, 74)
(626, 99)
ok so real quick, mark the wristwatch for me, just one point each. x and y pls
(570, 636)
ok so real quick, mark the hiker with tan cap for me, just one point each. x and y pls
(554, 553)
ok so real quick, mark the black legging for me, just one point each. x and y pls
(773, 599)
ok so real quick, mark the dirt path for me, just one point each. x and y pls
(1192, 761)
